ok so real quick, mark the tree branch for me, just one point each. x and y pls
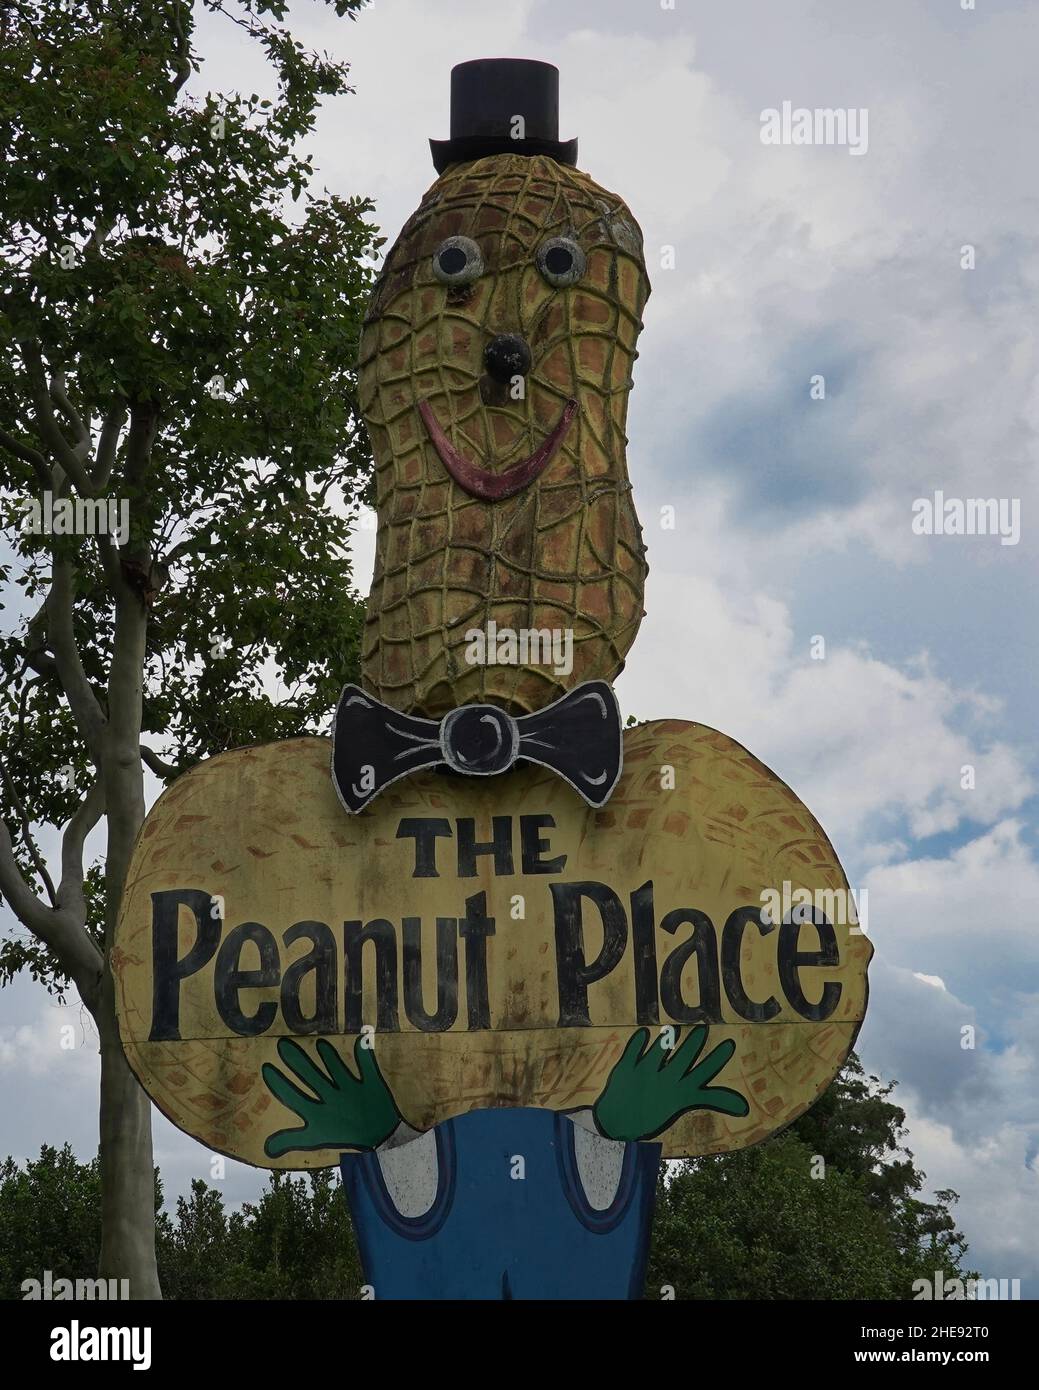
(57, 928)
(62, 639)
(144, 425)
(23, 699)
(16, 892)
(192, 545)
(87, 815)
(183, 50)
(158, 765)
(70, 459)
(27, 455)
(108, 443)
(34, 652)
(30, 843)
(109, 553)
(59, 396)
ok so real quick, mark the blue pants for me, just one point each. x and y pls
(493, 1234)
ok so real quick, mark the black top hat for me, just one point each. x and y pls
(486, 97)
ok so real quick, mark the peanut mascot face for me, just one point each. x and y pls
(495, 367)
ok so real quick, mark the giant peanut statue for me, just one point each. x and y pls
(494, 375)
(508, 954)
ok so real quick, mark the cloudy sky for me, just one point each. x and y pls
(793, 516)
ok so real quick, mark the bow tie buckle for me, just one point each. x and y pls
(480, 740)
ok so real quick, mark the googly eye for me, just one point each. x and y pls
(457, 261)
(561, 261)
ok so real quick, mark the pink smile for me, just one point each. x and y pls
(481, 482)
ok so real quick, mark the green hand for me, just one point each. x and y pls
(650, 1087)
(350, 1112)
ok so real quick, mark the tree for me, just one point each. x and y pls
(765, 1223)
(179, 447)
(194, 1251)
(825, 1210)
(50, 1218)
(295, 1242)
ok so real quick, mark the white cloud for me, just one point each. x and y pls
(935, 980)
(998, 1184)
(869, 746)
(60, 1045)
(968, 917)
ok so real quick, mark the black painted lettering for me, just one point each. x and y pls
(792, 960)
(167, 970)
(703, 944)
(474, 928)
(644, 946)
(533, 845)
(383, 938)
(447, 975)
(424, 830)
(732, 976)
(470, 849)
(230, 979)
(320, 961)
(574, 972)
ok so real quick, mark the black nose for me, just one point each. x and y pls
(506, 356)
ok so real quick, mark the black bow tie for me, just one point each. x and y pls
(579, 737)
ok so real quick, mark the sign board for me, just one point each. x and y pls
(494, 941)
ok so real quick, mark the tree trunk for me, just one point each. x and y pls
(127, 1169)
